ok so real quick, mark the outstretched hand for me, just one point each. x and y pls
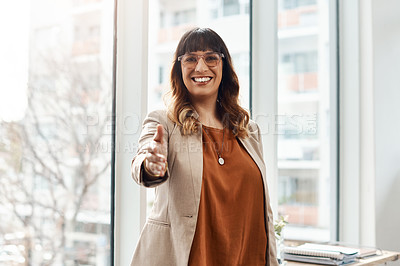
(156, 157)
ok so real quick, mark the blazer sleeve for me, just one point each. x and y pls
(149, 129)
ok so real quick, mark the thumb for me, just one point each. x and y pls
(158, 137)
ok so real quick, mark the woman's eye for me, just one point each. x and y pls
(190, 59)
(211, 58)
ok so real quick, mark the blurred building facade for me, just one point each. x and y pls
(62, 211)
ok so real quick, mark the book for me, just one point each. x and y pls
(317, 260)
(368, 252)
(321, 254)
(363, 251)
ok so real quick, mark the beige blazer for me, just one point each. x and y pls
(167, 236)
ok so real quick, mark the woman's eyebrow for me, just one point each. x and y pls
(193, 53)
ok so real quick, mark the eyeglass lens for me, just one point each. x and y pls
(211, 60)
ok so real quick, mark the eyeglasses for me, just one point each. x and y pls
(211, 59)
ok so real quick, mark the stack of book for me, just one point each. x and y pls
(321, 254)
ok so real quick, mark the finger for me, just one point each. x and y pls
(152, 147)
(158, 137)
(155, 157)
(156, 169)
(150, 168)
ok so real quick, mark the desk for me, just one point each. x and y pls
(373, 260)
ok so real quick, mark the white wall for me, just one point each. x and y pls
(386, 76)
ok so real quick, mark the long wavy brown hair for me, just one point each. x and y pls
(180, 109)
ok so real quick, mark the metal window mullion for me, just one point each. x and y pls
(334, 118)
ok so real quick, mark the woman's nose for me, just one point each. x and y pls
(201, 65)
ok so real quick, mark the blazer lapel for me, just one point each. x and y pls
(248, 144)
(195, 155)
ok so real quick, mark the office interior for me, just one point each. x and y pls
(320, 77)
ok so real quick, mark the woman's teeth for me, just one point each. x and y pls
(202, 79)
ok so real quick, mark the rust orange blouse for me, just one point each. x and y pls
(230, 225)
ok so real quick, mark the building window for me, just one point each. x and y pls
(227, 8)
(162, 19)
(231, 7)
(160, 74)
(301, 62)
(184, 17)
(291, 4)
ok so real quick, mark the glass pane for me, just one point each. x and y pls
(304, 110)
(172, 18)
(55, 150)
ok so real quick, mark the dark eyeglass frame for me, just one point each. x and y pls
(221, 56)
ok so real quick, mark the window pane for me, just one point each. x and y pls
(171, 18)
(55, 145)
(304, 118)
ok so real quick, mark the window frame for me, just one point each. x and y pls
(131, 107)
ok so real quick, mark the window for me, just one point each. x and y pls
(291, 4)
(301, 62)
(226, 8)
(183, 16)
(160, 74)
(304, 120)
(299, 13)
(231, 7)
(55, 181)
(162, 19)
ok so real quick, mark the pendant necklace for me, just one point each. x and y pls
(221, 160)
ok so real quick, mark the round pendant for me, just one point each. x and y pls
(221, 161)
